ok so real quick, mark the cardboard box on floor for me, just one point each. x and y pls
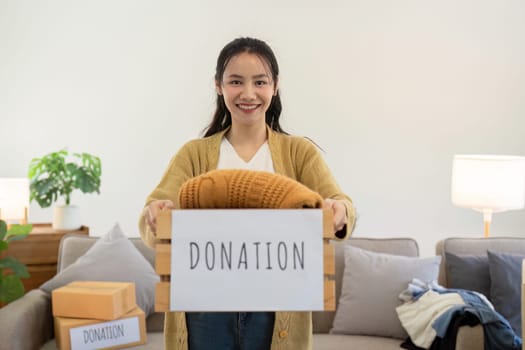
(94, 300)
(80, 333)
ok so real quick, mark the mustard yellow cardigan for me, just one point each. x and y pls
(295, 157)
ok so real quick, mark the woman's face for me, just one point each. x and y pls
(247, 87)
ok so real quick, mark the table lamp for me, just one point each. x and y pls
(488, 184)
(14, 199)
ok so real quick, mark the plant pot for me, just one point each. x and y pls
(66, 217)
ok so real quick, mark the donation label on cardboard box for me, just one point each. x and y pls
(105, 334)
(247, 260)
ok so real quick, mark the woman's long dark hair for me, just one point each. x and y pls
(222, 118)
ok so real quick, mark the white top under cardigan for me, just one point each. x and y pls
(229, 159)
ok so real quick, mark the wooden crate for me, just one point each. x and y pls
(163, 261)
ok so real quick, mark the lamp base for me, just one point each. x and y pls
(487, 228)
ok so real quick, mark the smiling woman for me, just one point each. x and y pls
(245, 134)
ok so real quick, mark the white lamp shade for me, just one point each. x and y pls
(488, 182)
(14, 198)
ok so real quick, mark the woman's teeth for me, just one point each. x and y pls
(247, 107)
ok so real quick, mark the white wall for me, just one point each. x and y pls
(389, 89)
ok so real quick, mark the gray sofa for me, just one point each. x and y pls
(27, 323)
(468, 338)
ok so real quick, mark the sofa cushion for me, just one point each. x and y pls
(468, 272)
(476, 246)
(73, 246)
(112, 258)
(370, 291)
(323, 320)
(505, 288)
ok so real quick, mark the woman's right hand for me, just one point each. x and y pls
(152, 211)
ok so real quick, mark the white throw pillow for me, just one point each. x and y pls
(112, 258)
(370, 291)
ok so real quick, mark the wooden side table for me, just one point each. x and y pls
(39, 252)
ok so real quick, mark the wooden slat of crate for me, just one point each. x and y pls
(328, 258)
(329, 295)
(162, 297)
(163, 258)
(164, 225)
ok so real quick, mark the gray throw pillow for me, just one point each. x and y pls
(112, 258)
(371, 285)
(469, 272)
(505, 288)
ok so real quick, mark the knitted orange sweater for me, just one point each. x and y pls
(236, 188)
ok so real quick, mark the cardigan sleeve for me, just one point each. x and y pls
(314, 173)
(180, 169)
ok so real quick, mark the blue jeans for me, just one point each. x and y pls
(230, 330)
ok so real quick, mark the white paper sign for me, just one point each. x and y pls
(247, 260)
(105, 334)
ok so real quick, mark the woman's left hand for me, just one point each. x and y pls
(339, 211)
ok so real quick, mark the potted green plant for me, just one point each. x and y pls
(55, 176)
(11, 270)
